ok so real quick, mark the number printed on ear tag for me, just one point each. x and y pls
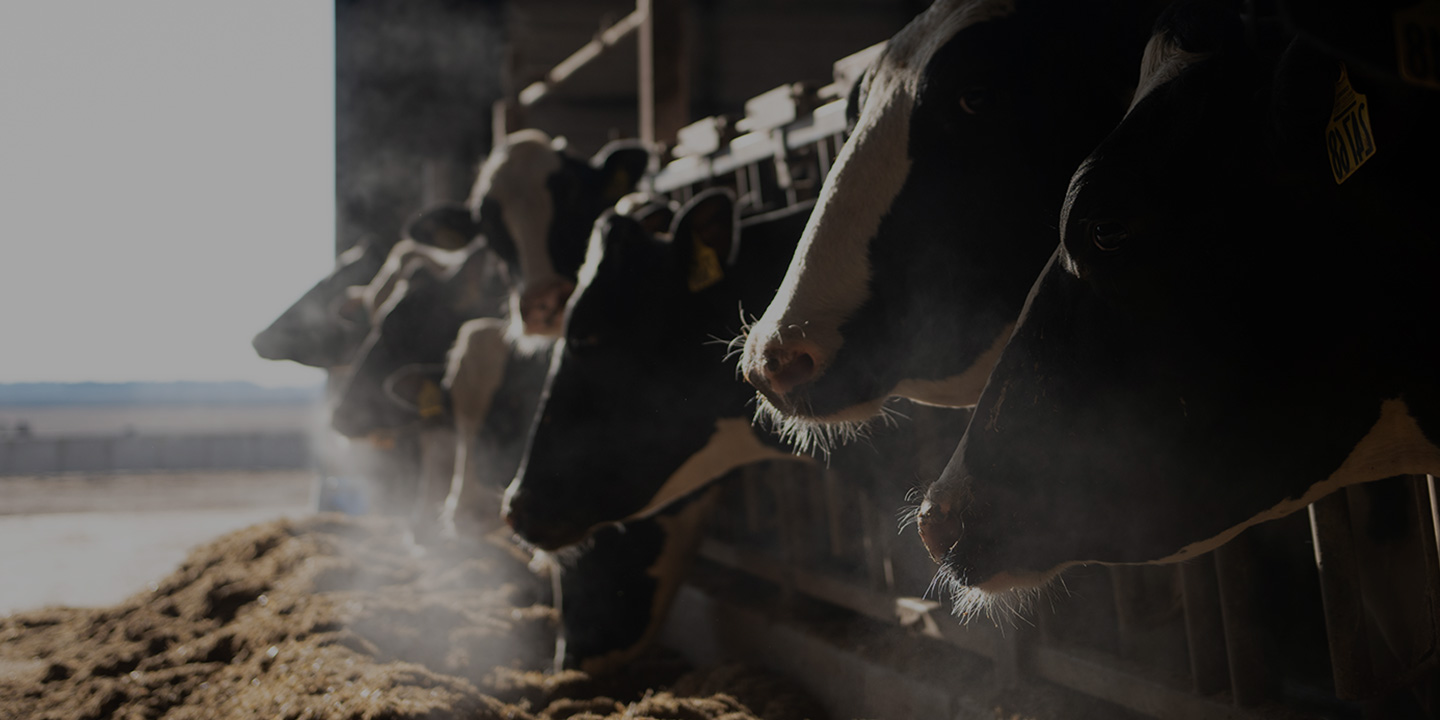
(1347, 138)
(1417, 43)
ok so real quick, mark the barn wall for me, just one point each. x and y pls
(415, 82)
(736, 50)
(414, 86)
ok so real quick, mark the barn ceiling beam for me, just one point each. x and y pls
(604, 40)
(664, 70)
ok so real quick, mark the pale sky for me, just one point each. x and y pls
(166, 184)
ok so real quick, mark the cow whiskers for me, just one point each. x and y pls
(1002, 609)
(907, 515)
(734, 347)
(1007, 608)
(809, 436)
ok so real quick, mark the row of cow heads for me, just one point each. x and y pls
(1216, 341)
(531, 208)
(640, 408)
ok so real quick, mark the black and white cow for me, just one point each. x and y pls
(616, 590)
(417, 325)
(311, 331)
(535, 204)
(494, 386)
(1226, 332)
(325, 326)
(616, 593)
(640, 408)
(494, 381)
(941, 206)
(641, 414)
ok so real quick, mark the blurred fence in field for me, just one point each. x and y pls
(38, 455)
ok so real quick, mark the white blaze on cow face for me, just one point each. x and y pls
(1395, 445)
(474, 370)
(515, 176)
(829, 276)
(732, 445)
(1162, 62)
(957, 390)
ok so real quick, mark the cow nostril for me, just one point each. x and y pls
(790, 366)
(939, 529)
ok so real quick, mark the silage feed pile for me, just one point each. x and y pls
(340, 617)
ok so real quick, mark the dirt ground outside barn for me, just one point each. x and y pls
(93, 540)
(129, 606)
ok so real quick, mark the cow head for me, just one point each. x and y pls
(941, 205)
(640, 408)
(326, 325)
(1220, 339)
(615, 596)
(535, 205)
(319, 329)
(417, 324)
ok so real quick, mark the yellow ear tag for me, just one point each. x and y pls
(1347, 137)
(450, 239)
(1417, 43)
(704, 267)
(382, 440)
(432, 401)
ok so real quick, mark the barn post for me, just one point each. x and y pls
(1252, 678)
(1204, 624)
(1340, 586)
(1434, 509)
(1423, 487)
(506, 114)
(664, 71)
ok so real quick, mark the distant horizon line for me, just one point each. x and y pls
(149, 392)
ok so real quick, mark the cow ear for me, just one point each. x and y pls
(450, 226)
(706, 237)
(416, 389)
(1301, 100)
(653, 212)
(621, 164)
(656, 218)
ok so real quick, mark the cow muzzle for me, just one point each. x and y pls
(524, 513)
(940, 528)
(778, 368)
(542, 306)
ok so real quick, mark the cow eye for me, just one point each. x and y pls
(975, 100)
(1108, 235)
